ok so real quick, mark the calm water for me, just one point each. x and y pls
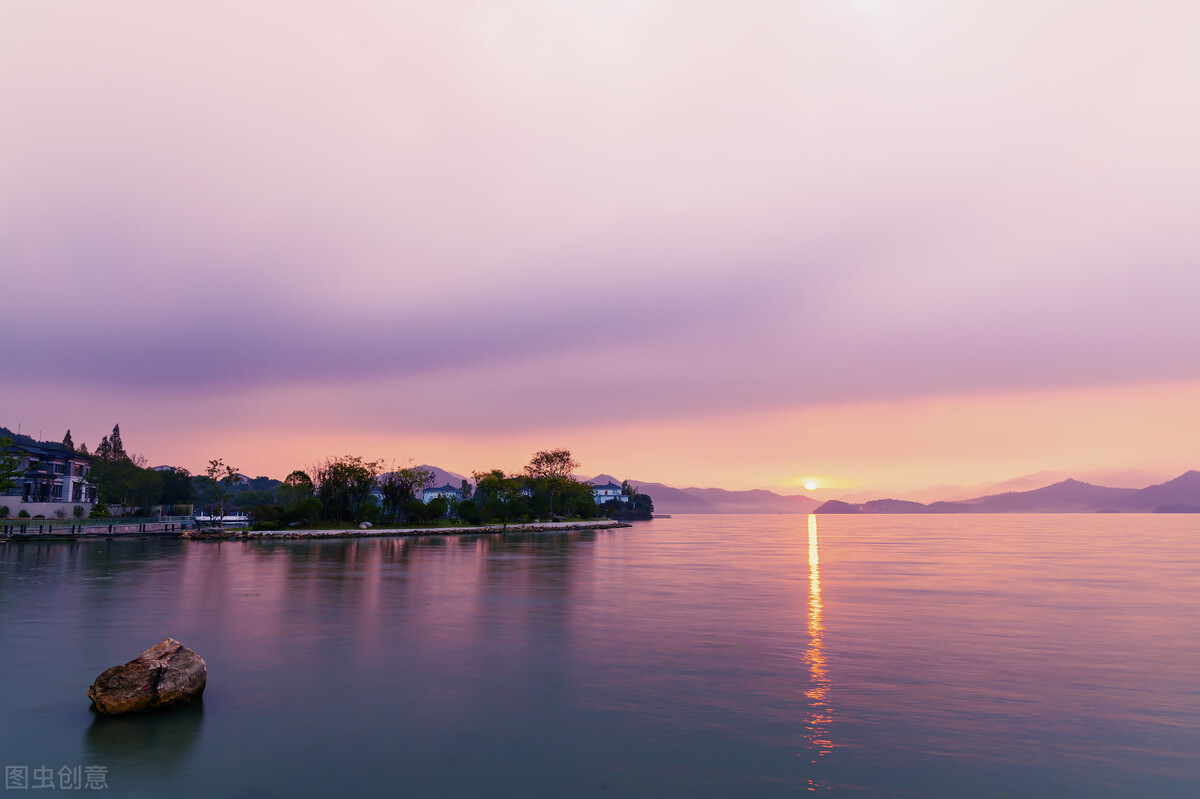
(910, 656)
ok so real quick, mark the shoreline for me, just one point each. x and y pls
(214, 534)
(407, 532)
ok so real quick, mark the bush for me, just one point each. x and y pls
(3, 511)
(78, 512)
(468, 511)
(60, 513)
(98, 511)
(266, 526)
(304, 510)
(22, 514)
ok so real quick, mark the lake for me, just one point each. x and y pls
(699, 656)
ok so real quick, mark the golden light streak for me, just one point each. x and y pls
(819, 714)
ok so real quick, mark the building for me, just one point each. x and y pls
(448, 491)
(53, 479)
(608, 492)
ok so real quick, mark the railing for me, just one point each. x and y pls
(90, 527)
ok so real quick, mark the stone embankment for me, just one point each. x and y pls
(381, 532)
(40, 531)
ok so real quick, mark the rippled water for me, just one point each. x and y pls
(909, 656)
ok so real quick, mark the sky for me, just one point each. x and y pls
(856, 242)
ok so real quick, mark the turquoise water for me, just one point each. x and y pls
(908, 656)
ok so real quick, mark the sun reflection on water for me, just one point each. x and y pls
(816, 726)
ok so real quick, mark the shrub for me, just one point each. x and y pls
(266, 526)
(60, 513)
(98, 511)
(469, 512)
(22, 514)
(78, 512)
(3, 511)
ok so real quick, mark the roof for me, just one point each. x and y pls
(47, 450)
(606, 485)
(445, 488)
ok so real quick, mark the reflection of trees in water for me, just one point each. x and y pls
(96, 560)
(142, 748)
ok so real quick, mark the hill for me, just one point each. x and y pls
(1180, 495)
(1183, 491)
(668, 499)
(1068, 496)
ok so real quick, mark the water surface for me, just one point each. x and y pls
(908, 656)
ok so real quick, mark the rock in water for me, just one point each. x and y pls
(166, 674)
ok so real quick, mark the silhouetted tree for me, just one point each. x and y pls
(551, 470)
(219, 480)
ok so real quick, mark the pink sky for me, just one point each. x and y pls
(878, 243)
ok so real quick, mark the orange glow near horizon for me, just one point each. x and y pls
(899, 445)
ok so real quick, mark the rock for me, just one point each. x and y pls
(166, 674)
(365, 526)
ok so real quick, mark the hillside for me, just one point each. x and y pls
(1183, 491)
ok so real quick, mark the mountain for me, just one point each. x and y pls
(1184, 491)
(1117, 478)
(1068, 496)
(668, 499)
(1181, 495)
(441, 476)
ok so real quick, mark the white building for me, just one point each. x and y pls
(608, 491)
(448, 491)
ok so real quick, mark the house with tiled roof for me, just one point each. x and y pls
(51, 478)
(608, 492)
(448, 491)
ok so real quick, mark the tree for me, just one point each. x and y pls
(118, 449)
(344, 485)
(296, 488)
(176, 487)
(68, 444)
(400, 486)
(505, 498)
(219, 480)
(552, 470)
(10, 466)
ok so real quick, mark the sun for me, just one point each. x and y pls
(810, 485)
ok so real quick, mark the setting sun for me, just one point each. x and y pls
(809, 485)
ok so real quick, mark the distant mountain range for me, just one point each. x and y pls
(1181, 495)
(668, 499)
(1125, 478)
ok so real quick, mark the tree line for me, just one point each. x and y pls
(351, 489)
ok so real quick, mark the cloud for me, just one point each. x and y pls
(653, 208)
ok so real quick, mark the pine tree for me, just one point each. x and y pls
(67, 442)
(104, 452)
(118, 449)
